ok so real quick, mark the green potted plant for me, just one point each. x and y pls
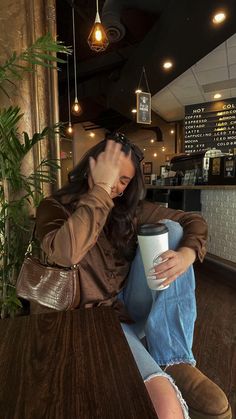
(19, 192)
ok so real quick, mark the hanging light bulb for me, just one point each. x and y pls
(97, 39)
(76, 108)
(69, 128)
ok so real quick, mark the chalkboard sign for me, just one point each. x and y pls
(144, 108)
(210, 125)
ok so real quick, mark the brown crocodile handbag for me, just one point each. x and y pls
(54, 287)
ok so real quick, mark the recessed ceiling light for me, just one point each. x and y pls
(138, 91)
(144, 149)
(217, 96)
(134, 111)
(167, 65)
(219, 17)
(155, 154)
(152, 141)
(92, 134)
(172, 131)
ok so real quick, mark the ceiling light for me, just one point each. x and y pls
(134, 111)
(172, 131)
(144, 149)
(217, 96)
(76, 108)
(92, 134)
(219, 17)
(98, 40)
(138, 91)
(155, 155)
(167, 65)
(69, 129)
(152, 141)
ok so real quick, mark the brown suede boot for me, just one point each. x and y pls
(204, 398)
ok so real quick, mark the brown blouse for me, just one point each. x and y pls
(79, 237)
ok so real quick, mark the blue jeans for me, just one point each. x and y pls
(166, 318)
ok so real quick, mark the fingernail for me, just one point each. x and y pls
(157, 260)
(151, 277)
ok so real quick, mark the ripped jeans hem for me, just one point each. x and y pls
(176, 361)
(178, 393)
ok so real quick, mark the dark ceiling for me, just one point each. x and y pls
(151, 30)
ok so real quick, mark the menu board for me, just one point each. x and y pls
(210, 125)
(144, 108)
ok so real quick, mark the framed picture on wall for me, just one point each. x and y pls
(162, 170)
(147, 180)
(147, 168)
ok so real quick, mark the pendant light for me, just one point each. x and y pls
(69, 128)
(97, 39)
(76, 108)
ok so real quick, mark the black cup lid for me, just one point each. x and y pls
(152, 229)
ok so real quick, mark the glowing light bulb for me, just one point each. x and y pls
(219, 17)
(69, 129)
(76, 108)
(98, 35)
(97, 39)
(167, 65)
(217, 96)
(134, 111)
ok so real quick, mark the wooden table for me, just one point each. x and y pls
(69, 365)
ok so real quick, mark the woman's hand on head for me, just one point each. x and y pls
(175, 264)
(106, 168)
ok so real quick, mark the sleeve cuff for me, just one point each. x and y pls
(200, 250)
(101, 196)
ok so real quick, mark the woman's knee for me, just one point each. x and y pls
(175, 233)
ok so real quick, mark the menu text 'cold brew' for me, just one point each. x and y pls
(210, 125)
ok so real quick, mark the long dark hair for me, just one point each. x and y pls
(119, 228)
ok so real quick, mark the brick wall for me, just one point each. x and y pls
(219, 210)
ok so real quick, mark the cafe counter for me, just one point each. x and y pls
(217, 204)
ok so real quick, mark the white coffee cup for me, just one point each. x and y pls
(153, 241)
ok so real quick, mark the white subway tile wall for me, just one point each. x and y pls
(219, 210)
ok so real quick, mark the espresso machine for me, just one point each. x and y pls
(209, 167)
(222, 170)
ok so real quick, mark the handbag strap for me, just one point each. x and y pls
(29, 249)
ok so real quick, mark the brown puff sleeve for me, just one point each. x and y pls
(65, 237)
